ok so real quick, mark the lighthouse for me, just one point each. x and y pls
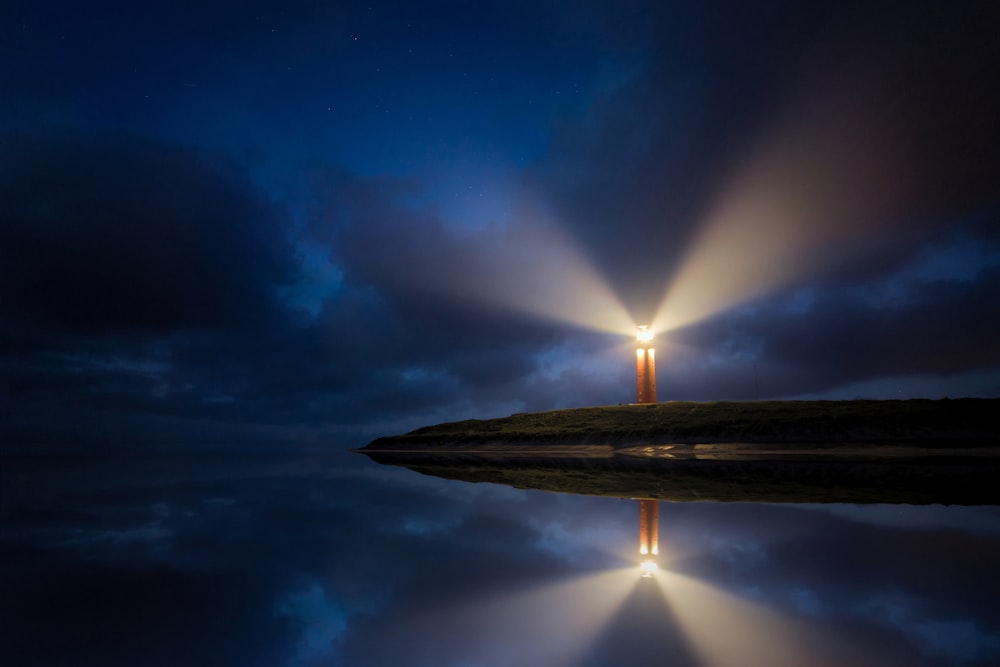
(645, 367)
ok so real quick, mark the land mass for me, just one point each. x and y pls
(967, 422)
(906, 451)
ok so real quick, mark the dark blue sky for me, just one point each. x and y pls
(323, 222)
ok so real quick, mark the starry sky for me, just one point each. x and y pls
(321, 222)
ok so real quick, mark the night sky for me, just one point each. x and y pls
(237, 239)
(320, 222)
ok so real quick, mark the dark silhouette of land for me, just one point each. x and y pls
(912, 451)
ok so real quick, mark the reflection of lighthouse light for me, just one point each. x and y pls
(647, 567)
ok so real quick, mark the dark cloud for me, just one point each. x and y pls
(100, 615)
(850, 331)
(945, 329)
(121, 234)
(137, 277)
(144, 279)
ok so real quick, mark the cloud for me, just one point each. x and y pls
(831, 333)
(154, 288)
(123, 234)
(139, 278)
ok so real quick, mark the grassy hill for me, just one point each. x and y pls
(970, 422)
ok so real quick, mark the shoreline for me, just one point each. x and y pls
(920, 423)
(898, 452)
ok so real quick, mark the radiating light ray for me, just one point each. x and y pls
(527, 266)
(824, 186)
(563, 617)
(549, 625)
(543, 273)
(724, 629)
(642, 632)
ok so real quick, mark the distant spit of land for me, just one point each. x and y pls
(905, 451)
(963, 422)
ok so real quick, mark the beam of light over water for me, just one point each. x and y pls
(643, 632)
(724, 629)
(551, 625)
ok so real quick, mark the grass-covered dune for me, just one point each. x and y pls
(914, 451)
(966, 422)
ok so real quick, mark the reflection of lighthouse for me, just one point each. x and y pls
(645, 392)
(645, 367)
(649, 515)
(649, 519)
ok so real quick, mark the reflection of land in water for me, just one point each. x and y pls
(899, 473)
(911, 451)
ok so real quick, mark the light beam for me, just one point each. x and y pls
(726, 629)
(528, 266)
(553, 624)
(823, 186)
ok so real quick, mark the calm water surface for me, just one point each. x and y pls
(278, 559)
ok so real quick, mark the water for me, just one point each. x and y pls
(277, 559)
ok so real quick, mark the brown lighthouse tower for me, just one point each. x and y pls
(645, 367)
(649, 515)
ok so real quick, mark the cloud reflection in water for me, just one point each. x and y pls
(283, 560)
